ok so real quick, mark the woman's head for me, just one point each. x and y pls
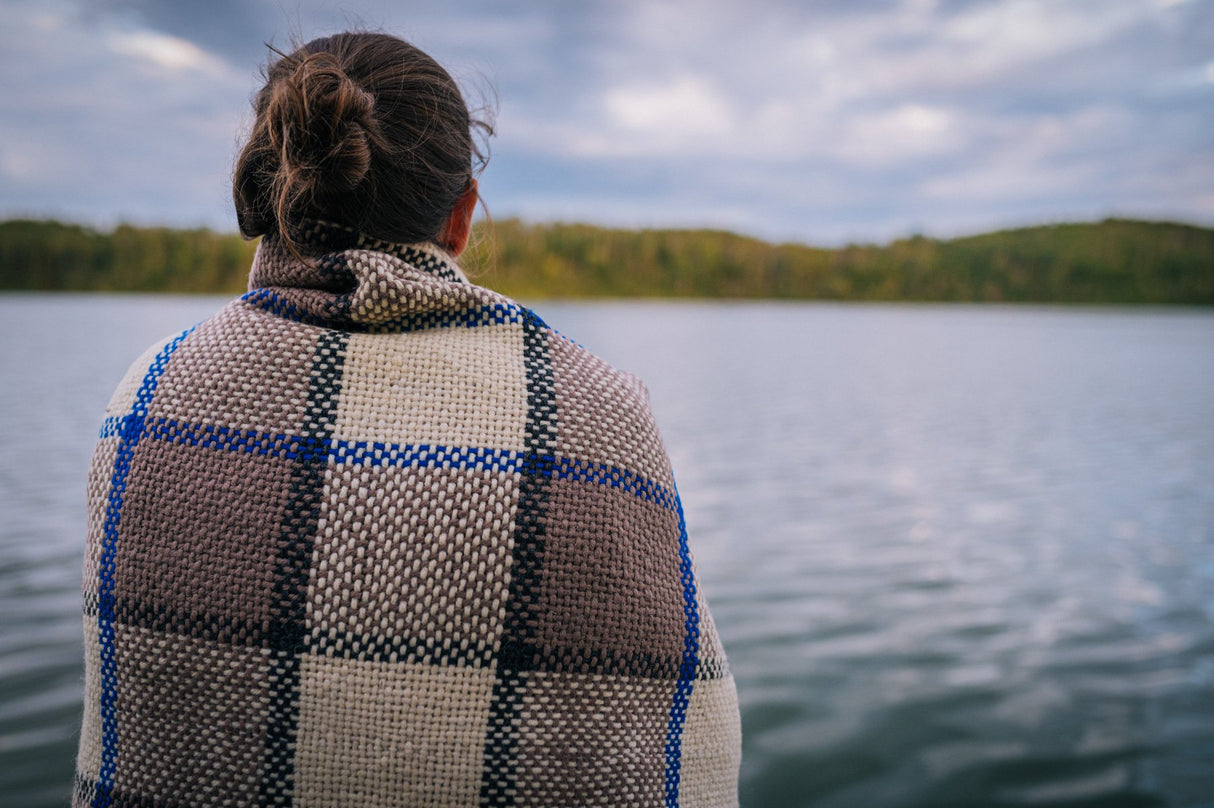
(362, 129)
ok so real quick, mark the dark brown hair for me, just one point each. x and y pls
(362, 129)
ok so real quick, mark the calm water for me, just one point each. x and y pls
(959, 556)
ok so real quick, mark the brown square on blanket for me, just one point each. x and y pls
(229, 504)
(611, 590)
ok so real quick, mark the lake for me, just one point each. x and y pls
(958, 555)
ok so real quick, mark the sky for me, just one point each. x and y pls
(815, 121)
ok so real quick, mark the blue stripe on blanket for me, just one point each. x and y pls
(687, 670)
(491, 314)
(421, 455)
(129, 429)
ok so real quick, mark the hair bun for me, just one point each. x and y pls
(322, 127)
(360, 129)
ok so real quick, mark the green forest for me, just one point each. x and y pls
(1113, 261)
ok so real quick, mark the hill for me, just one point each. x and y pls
(1113, 261)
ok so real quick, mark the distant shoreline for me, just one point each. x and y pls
(1115, 261)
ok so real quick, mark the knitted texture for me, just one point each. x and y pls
(373, 535)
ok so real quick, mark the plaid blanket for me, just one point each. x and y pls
(373, 535)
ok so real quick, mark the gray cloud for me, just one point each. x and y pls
(232, 29)
(811, 121)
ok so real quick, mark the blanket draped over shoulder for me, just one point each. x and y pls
(374, 535)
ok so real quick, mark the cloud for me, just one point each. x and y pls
(163, 51)
(687, 106)
(107, 121)
(811, 121)
(232, 30)
(911, 107)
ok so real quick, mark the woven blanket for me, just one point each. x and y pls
(374, 535)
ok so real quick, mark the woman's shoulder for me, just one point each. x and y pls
(602, 412)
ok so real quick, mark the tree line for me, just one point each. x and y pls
(1113, 261)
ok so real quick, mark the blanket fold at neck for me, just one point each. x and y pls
(351, 281)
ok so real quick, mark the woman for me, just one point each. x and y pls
(374, 535)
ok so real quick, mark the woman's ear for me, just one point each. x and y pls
(458, 228)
